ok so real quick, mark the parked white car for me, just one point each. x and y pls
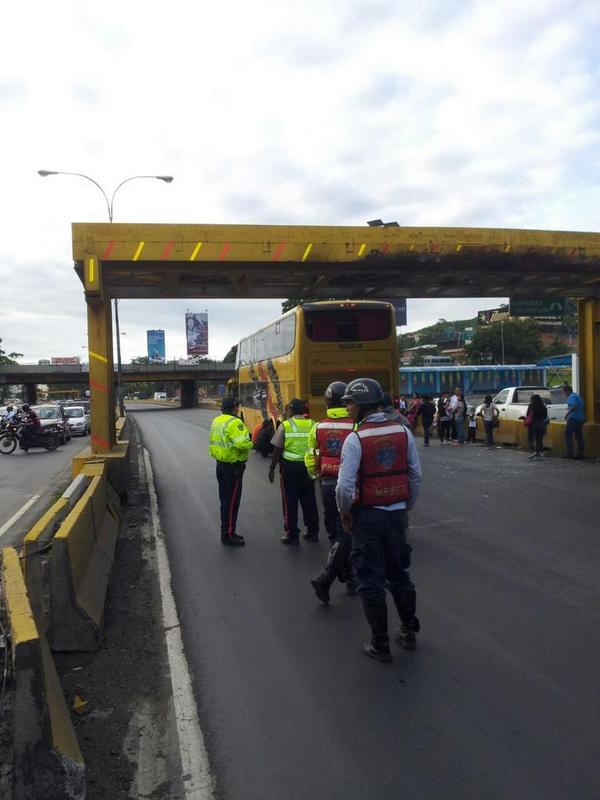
(78, 420)
(512, 402)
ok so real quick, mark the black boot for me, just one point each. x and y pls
(289, 538)
(379, 646)
(321, 584)
(406, 604)
(232, 541)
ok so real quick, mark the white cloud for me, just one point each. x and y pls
(437, 113)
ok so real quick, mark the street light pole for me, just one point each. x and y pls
(44, 173)
(502, 340)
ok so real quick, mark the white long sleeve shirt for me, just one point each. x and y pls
(351, 455)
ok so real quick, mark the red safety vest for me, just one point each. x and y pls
(383, 476)
(331, 435)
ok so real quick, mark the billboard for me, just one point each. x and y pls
(65, 360)
(196, 332)
(400, 310)
(491, 315)
(156, 346)
(548, 308)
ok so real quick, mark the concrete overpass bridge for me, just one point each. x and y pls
(187, 375)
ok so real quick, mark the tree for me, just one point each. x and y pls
(522, 342)
(231, 355)
(8, 358)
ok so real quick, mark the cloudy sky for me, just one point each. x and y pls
(482, 113)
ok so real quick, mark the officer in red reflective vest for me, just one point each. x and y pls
(322, 461)
(378, 483)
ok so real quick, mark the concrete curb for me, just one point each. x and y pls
(82, 558)
(47, 760)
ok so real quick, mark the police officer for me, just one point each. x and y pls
(322, 461)
(378, 482)
(229, 444)
(290, 441)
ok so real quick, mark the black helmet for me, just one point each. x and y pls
(9, 408)
(334, 393)
(363, 392)
(26, 407)
(297, 406)
(228, 403)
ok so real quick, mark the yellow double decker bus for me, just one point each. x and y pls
(302, 352)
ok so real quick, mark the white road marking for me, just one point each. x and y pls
(19, 514)
(197, 781)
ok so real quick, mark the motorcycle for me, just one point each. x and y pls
(12, 434)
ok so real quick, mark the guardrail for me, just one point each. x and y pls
(48, 764)
(60, 589)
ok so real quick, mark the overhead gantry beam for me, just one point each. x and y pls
(204, 261)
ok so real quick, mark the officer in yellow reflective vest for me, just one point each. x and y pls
(290, 442)
(229, 444)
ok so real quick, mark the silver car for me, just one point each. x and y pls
(78, 419)
(54, 415)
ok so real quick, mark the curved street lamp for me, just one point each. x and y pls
(44, 173)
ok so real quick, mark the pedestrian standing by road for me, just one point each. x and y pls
(322, 460)
(427, 414)
(575, 417)
(290, 443)
(536, 420)
(444, 418)
(472, 425)
(489, 413)
(457, 408)
(229, 445)
(378, 482)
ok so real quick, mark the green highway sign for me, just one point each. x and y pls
(548, 308)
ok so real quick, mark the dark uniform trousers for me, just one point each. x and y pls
(298, 487)
(229, 477)
(380, 553)
(335, 532)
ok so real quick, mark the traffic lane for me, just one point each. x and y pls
(25, 475)
(289, 705)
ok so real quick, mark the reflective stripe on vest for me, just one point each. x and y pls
(331, 435)
(295, 442)
(220, 447)
(383, 477)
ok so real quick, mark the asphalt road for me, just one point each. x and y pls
(36, 474)
(500, 700)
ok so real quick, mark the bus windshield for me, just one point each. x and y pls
(347, 324)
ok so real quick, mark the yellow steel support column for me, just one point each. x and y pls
(101, 359)
(589, 371)
(589, 357)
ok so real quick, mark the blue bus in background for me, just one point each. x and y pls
(477, 379)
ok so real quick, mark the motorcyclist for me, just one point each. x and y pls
(30, 426)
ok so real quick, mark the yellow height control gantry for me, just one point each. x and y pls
(252, 261)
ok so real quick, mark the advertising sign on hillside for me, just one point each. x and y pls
(156, 346)
(196, 331)
(548, 308)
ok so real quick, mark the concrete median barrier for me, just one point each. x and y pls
(36, 551)
(117, 462)
(47, 760)
(81, 564)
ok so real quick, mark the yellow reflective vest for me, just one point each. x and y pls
(229, 439)
(295, 441)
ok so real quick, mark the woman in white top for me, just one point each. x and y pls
(490, 414)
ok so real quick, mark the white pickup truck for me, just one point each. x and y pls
(512, 402)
